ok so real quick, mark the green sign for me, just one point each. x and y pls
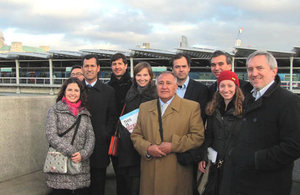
(159, 68)
(6, 69)
(68, 69)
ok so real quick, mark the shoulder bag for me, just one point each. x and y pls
(56, 162)
(114, 140)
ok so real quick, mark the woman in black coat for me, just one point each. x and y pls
(143, 89)
(224, 116)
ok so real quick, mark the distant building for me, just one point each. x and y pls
(19, 47)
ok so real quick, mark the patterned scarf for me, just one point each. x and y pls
(73, 107)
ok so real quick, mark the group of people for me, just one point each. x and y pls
(246, 134)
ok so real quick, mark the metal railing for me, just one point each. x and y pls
(45, 82)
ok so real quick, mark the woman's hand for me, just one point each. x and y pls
(202, 166)
(76, 157)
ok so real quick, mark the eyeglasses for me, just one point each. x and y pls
(76, 74)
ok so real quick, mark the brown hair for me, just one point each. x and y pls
(238, 103)
(140, 66)
(64, 86)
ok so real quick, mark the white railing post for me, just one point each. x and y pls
(51, 75)
(232, 67)
(17, 75)
(291, 73)
(131, 67)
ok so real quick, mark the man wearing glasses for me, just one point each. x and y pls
(77, 72)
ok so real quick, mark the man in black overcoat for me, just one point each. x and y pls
(102, 106)
(269, 141)
(120, 80)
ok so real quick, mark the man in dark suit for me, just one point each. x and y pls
(187, 87)
(102, 106)
(192, 90)
(219, 62)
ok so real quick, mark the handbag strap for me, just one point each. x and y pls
(77, 122)
(76, 130)
(160, 121)
(117, 129)
(69, 129)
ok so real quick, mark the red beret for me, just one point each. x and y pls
(228, 75)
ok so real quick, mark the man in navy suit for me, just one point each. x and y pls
(187, 87)
(192, 90)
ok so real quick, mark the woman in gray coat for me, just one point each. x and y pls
(70, 104)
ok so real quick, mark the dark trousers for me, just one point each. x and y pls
(82, 191)
(114, 161)
(97, 181)
(129, 181)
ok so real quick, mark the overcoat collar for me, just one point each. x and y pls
(173, 107)
(98, 86)
(253, 105)
(124, 78)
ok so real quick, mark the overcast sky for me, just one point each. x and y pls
(123, 24)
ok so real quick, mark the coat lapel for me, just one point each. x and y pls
(173, 107)
(189, 91)
(253, 105)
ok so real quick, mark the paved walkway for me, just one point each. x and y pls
(34, 184)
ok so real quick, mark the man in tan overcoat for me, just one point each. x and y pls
(182, 126)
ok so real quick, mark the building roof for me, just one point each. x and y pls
(27, 55)
(66, 54)
(245, 52)
(106, 53)
(195, 52)
(152, 53)
(140, 53)
(6, 48)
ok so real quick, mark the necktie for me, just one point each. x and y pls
(180, 86)
(164, 107)
(256, 94)
(89, 86)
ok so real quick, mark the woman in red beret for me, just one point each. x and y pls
(224, 116)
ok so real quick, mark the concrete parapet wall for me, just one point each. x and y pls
(28, 89)
(23, 142)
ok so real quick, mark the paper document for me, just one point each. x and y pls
(212, 154)
(129, 120)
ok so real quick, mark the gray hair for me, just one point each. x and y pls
(166, 72)
(269, 57)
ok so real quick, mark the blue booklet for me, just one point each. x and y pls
(129, 120)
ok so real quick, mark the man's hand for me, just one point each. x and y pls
(154, 151)
(202, 166)
(165, 147)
